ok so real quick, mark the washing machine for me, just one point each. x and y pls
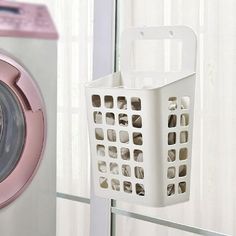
(28, 95)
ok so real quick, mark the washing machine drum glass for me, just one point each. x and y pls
(12, 131)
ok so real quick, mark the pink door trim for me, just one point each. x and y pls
(26, 90)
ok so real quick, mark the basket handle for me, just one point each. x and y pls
(183, 33)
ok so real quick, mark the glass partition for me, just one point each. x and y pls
(212, 198)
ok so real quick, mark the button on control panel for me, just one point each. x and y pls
(26, 20)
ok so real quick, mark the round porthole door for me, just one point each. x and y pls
(22, 128)
(12, 134)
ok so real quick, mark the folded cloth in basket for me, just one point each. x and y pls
(122, 103)
(136, 104)
(109, 102)
(99, 134)
(138, 156)
(115, 184)
(171, 155)
(111, 135)
(104, 183)
(171, 140)
(110, 119)
(123, 120)
(137, 122)
(114, 168)
(100, 150)
(172, 106)
(138, 139)
(172, 123)
(127, 187)
(140, 190)
(102, 166)
(124, 137)
(98, 117)
(126, 171)
(139, 173)
(171, 189)
(125, 153)
(112, 152)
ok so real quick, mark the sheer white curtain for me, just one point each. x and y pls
(213, 195)
(74, 20)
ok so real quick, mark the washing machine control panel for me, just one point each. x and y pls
(26, 20)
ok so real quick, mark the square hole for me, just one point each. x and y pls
(171, 173)
(138, 155)
(100, 150)
(96, 101)
(184, 119)
(109, 103)
(139, 172)
(110, 118)
(183, 136)
(136, 103)
(171, 138)
(103, 182)
(124, 137)
(123, 119)
(185, 103)
(111, 135)
(97, 117)
(99, 134)
(172, 103)
(112, 152)
(114, 168)
(170, 189)
(137, 121)
(122, 103)
(102, 166)
(172, 120)
(140, 189)
(125, 154)
(183, 154)
(126, 170)
(171, 155)
(182, 171)
(127, 187)
(137, 138)
(182, 187)
(115, 184)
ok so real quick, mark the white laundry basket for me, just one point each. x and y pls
(141, 133)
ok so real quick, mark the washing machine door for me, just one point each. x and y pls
(22, 128)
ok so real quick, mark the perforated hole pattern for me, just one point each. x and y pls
(113, 118)
(177, 143)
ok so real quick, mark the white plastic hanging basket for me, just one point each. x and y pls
(141, 133)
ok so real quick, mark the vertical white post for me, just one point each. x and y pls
(103, 63)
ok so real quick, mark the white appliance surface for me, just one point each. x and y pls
(33, 212)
